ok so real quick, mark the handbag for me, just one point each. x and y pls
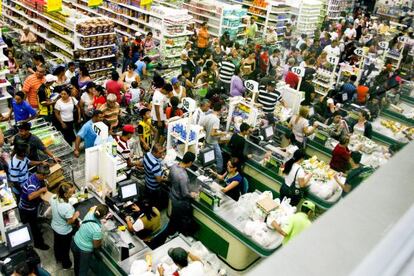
(75, 111)
(295, 193)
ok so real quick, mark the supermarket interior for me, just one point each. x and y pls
(206, 137)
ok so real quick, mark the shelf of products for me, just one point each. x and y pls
(323, 81)
(4, 83)
(308, 14)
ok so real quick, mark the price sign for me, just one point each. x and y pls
(383, 44)
(403, 39)
(252, 85)
(94, 3)
(101, 130)
(300, 71)
(333, 60)
(54, 5)
(189, 104)
(359, 52)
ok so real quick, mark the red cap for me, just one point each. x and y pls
(129, 128)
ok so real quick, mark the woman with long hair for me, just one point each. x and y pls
(148, 222)
(296, 179)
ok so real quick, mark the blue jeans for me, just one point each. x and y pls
(219, 157)
(81, 259)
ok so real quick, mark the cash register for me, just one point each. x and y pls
(206, 159)
(19, 249)
(128, 193)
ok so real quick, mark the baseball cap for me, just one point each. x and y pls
(174, 80)
(271, 82)
(129, 128)
(51, 78)
(179, 256)
(309, 204)
(43, 169)
(24, 126)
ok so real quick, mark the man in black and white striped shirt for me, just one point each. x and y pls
(268, 96)
(226, 71)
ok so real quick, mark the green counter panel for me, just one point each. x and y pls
(398, 117)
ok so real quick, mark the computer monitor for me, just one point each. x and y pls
(207, 157)
(128, 191)
(19, 237)
(268, 133)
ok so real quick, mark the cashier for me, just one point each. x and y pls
(297, 223)
(180, 258)
(356, 174)
(363, 127)
(147, 223)
(232, 178)
(338, 128)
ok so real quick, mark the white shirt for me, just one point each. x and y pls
(160, 100)
(66, 109)
(193, 269)
(350, 33)
(334, 35)
(69, 75)
(332, 51)
(291, 176)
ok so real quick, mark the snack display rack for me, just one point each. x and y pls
(323, 81)
(307, 13)
(4, 83)
(220, 17)
(94, 40)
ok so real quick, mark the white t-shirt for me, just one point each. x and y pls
(297, 128)
(334, 35)
(69, 75)
(160, 100)
(88, 101)
(350, 33)
(332, 51)
(66, 109)
(291, 176)
(193, 269)
(135, 94)
(138, 225)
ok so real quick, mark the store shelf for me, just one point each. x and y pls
(92, 35)
(123, 33)
(102, 69)
(323, 84)
(94, 47)
(178, 35)
(139, 10)
(198, 8)
(97, 58)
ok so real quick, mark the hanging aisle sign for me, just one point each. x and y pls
(54, 5)
(94, 3)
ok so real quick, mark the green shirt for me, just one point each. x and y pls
(88, 232)
(61, 212)
(357, 175)
(297, 223)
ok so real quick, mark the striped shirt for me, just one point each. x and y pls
(88, 232)
(152, 168)
(226, 71)
(30, 87)
(33, 184)
(111, 113)
(18, 170)
(268, 99)
(123, 148)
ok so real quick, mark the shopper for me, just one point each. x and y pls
(64, 218)
(37, 61)
(45, 102)
(27, 37)
(348, 90)
(37, 150)
(86, 133)
(292, 79)
(299, 125)
(248, 66)
(251, 30)
(203, 37)
(340, 156)
(153, 174)
(67, 113)
(99, 97)
(226, 72)
(271, 36)
(18, 169)
(236, 85)
(237, 143)
(159, 101)
(268, 97)
(31, 86)
(201, 111)
(123, 144)
(148, 222)
(288, 35)
(296, 179)
(333, 49)
(297, 223)
(83, 78)
(70, 72)
(308, 87)
(29, 203)
(362, 126)
(184, 52)
(12, 64)
(129, 76)
(232, 178)
(362, 92)
(148, 43)
(111, 110)
(114, 86)
(178, 90)
(180, 195)
(86, 101)
(355, 175)
(173, 110)
(87, 238)
(180, 258)
(209, 75)
(59, 73)
(146, 131)
(22, 110)
(211, 124)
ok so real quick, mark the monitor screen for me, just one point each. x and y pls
(268, 132)
(129, 191)
(18, 237)
(209, 157)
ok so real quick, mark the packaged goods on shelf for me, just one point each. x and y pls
(95, 27)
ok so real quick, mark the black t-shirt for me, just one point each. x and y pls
(308, 89)
(357, 175)
(34, 143)
(236, 146)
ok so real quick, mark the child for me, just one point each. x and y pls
(146, 131)
(135, 92)
(173, 110)
(19, 169)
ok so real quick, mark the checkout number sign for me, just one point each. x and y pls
(300, 71)
(333, 60)
(189, 104)
(252, 85)
(383, 45)
(359, 52)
